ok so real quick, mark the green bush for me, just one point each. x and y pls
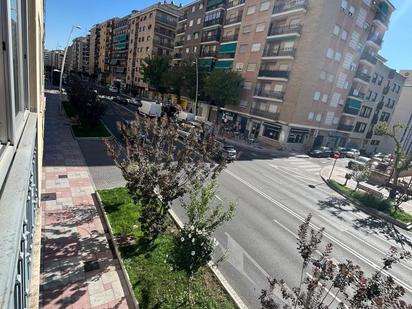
(373, 201)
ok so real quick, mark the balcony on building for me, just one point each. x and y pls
(234, 20)
(234, 3)
(208, 54)
(270, 74)
(215, 37)
(375, 40)
(362, 77)
(278, 53)
(264, 113)
(224, 64)
(167, 21)
(177, 56)
(183, 17)
(261, 93)
(227, 50)
(180, 30)
(215, 4)
(213, 22)
(381, 18)
(355, 93)
(289, 8)
(345, 127)
(367, 57)
(179, 43)
(352, 107)
(230, 38)
(284, 32)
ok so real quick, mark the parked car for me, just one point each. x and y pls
(120, 100)
(229, 153)
(150, 108)
(321, 152)
(351, 152)
(360, 163)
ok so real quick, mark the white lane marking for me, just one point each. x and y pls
(285, 228)
(124, 107)
(218, 198)
(329, 292)
(327, 235)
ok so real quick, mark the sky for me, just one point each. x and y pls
(62, 14)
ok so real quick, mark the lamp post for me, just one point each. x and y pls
(63, 62)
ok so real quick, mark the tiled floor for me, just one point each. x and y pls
(72, 232)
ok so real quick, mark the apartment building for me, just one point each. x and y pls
(53, 58)
(120, 48)
(21, 147)
(94, 48)
(105, 50)
(152, 32)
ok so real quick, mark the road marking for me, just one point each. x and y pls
(329, 292)
(327, 235)
(124, 107)
(218, 198)
(286, 228)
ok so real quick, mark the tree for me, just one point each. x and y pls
(360, 174)
(402, 160)
(195, 244)
(158, 169)
(223, 87)
(329, 280)
(153, 70)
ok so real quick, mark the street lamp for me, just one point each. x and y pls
(63, 62)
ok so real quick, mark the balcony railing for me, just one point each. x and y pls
(265, 114)
(179, 43)
(229, 38)
(289, 6)
(383, 18)
(261, 92)
(212, 22)
(369, 57)
(345, 127)
(211, 38)
(180, 30)
(357, 94)
(363, 76)
(274, 73)
(375, 39)
(183, 17)
(231, 4)
(234, 20)
(19, 196)
(351, 111)
(208, 53)
(274, 30)
(279, 52)
(177, 56)
(172, 23)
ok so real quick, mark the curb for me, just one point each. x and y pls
(228, 288)
(373, 212)
(112, 241)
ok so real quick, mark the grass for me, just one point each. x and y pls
(84, 130)
(368, 200)
(155, 283)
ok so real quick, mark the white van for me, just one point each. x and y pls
(185, 116)
(150, 108)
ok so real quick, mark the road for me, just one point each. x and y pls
(273, 198)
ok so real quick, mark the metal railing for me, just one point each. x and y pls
(369, 57)
(261, 92)
(183, 17)
(210, 38)
(177, 56)
(180, 30)
(375, 39)
(231, 4)
(274, 73)
(383, 18)
(229, 38)
(212, 22)
(291, 5)
(363, 76)
(179, 43)
(275, 30)
(166, 21)
(351, 111)
(208, 53)
(264, 113)
(279, 52)
(357, 94)
(345, 127)
(233, 20)
(20, 198)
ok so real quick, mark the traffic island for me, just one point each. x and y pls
(367, 199)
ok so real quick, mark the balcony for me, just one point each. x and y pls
(279, 53)
(167, 21)
(373, 38)
(234, 3)
(269, 94)
(183, 17)
(264, 114)
(351, 111)
(234, 20)
(208, 53)
(363, 77)
(177, 56)
(381, 18)
(290, 7)
(179, 43)
(211, 38)
(368, 57)
(345, 127)
(230, 38)
(212, 22)
(357, 94)
(273, 74)
(180, 30)
(294, 30)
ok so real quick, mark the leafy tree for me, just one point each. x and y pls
(345, 280)
(359, 175)
(402, 160)
(158, 169)
(153, 70)
(223, 87)
(195, 244)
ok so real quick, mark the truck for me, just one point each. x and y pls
(150, 108)
(185, 116)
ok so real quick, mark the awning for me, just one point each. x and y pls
(120, 45)
(353, 104)
(224, 64)
(205, 62)
(228, 48)
(298, 131)
(121, 37)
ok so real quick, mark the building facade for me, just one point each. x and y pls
(21, 147)
(152, 32)
(94, 49)
(105, 50)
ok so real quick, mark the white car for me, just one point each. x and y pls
(361, 163)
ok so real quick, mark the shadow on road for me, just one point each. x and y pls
(336, 206)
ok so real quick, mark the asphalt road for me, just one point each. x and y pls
(273, 198)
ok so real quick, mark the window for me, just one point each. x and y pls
(322, 75)
(187, 50)
(365, 112)
(247, 85)
(354, 42)
(351, 11)
(360, 127)
(250, 10)
(251, 67)
(278, 88)
(297, 136)
(316, 96)
(255, 47)
(188, 37)
(380, 80)
(335, 99)
(199, 20)
(384, 117)
(375, 77)
(264, 6)
(347, 61)
(243, 48)
(318, 117)
(338, 56)
(344, 4)
(336, 30)
(340, 83)
(311, 115)
(191, 23)
(324, 98)
(329, 53)
(200, 6)
(271, 131)
(331, 77)
(329, 118)
(247, 28)
(260, 27)
(360, 21)
(344, 35)
(288, 44)
(193, 8)
(196, 35)
(239, 66)
(273, 108)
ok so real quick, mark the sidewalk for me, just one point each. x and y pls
(339, 173)
(77, 265)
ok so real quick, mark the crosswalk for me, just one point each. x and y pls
(303, 166)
